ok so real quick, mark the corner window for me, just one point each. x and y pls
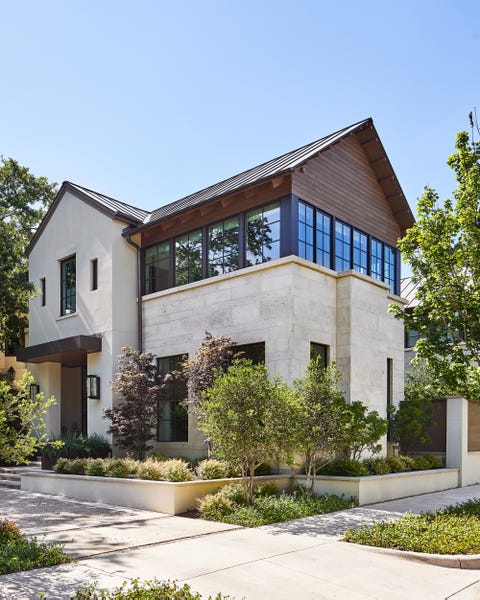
(69, 286)
(157, 267)
(223, 247)
(93, 274)
(188, 258)
(263, 234)
(172, 415)
(343, 245)
(319, 351)
(389, 267)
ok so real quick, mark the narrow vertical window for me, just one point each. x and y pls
(188, 258)
(157, 268)
(323, 239)
(376, 260)
(305, 231)
(360, 252)
(94, 274)
(263, 234)
(319, 351)
(43, 291)
(69, 286)
(343, 246)
(172, 414)
(389, 391)
(389, 267)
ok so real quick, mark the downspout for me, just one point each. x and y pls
(139, 291)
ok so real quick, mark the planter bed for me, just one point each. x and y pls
(379, 488)
(160, 496)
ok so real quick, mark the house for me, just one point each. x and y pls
(293, 258)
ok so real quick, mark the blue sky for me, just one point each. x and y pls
(148, 101)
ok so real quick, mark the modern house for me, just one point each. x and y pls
(293, 258)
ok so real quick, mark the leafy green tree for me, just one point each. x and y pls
(23, 201)
(411, 420)
(250, 419)
(443, 251)
(22, 425)
(138, 389)
(364, 430)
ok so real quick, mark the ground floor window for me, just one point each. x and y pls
(319, 351)
(254, 352)
(172, 415)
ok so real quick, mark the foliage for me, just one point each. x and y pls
(137, 387)
(23, 201)
(349, 467)
(269, 488)
(442, 250)
(150, 469)
(137, 590)
(75, 445)
(212, 357)
(249, 418)
(22, 427)
(328, 424)
(176, 469)
(396, 464)
(19, 553)
(454, 530)
(95, 467)
(409, 422)
(212, 469)
(377, 466)
(267, 508)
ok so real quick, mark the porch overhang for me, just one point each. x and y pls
(68, 351)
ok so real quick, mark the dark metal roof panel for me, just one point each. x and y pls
(276, 166)
(117, 207)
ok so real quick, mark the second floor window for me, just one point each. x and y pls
(157, 266)
(69, 286)
(263, 234)
(188, 258)
(343, 246)
(223, 247)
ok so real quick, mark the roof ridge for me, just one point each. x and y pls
(81, 187)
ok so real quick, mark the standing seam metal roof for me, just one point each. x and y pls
(121, 208)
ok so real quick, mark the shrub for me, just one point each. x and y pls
(96, 446)
(234, 492)
(150, 469)
(344, 466)
(62, 465)
(175, 469)
(214, 507)
(408, 462)
(377, 466)
(118, 467)
(396, 464)
(95, 467)
(9, 531)
(212, 469)
(148, 590)
(268, 488)
(421, 463)
(263, 469)
(435, 462)
(158, 457)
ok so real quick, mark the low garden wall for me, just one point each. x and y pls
(160, 496)
(379, 488)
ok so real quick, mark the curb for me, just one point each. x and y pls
(452, 561)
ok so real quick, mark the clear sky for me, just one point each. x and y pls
(148, 101)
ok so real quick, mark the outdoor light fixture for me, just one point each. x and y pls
(34, 390)
(93, 387)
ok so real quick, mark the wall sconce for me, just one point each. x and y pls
(34, 390)
(93, 387)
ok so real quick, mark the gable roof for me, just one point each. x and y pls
(110, 207)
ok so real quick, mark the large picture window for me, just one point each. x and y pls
(263, 234)
(188, 258)
(68, 270)
(157, 267)
(223, 248)
(172, 415)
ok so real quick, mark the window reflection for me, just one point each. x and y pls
(188, 258)
(263, 234)
(223, 248)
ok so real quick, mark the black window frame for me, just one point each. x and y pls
(191, 276)
(277, 205)
(94, 274)
(175, 393)
(254, 351)
(322, 350)
(222, 222)
(43, 291)
(65, 297)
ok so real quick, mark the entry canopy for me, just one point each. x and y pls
(69, 351)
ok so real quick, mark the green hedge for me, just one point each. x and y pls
(350, 467)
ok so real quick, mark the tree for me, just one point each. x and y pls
(23, 201)
(250, 419)
(22, 425)
(139, 390)
(364, 430)
(443, 251)
(212, 358)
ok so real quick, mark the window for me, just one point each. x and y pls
(319, 351)
(157, 267)
(254, 352)
(263, 234)
(360, 252)
(188, 258)
(324, 237)
(172, 415)
(223, 248)
(305, 231)
(376, 260)
(389, 267)
(389, 394)
(343, 245)
(94, 274)
(411, 338)
(43, 291)
(69, 286)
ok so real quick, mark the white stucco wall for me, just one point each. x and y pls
(287, 304)
(77, 228)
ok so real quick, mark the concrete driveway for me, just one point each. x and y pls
(299, 559)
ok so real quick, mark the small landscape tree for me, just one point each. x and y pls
(138, 389)
(250, 419)
(22, 424)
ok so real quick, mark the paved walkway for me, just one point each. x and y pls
(299, 559)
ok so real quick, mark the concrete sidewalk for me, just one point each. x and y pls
(298, 559)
